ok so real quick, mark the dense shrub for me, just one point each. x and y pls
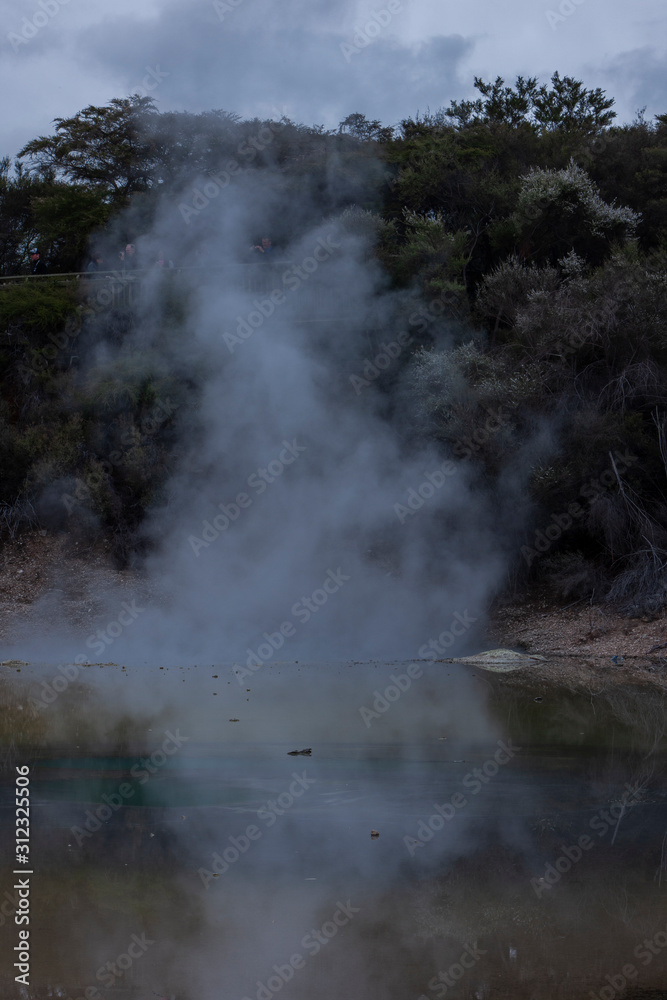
(530, 228)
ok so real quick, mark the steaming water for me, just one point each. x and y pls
(149, 781)
(405, 914)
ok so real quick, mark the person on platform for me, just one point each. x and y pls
(37, 265)
(265, 247)
(162, 260)
(128, 258)
(96, 262)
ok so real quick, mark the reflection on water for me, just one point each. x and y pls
(521, 850)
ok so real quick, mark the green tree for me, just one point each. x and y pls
(17, 229)
(500, 104)
(570, 107)
(64, 219)
(359, 127)
(104, 148)
(567, 106)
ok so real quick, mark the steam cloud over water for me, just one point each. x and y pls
(283, 512)
(301, 514)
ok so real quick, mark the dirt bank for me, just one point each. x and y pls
(584, 644)
(48, 580)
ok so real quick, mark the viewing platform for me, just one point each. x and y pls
(307, 301)
(121, 289)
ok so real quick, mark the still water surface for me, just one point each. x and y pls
(456, 834)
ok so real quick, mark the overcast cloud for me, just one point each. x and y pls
(295, 57)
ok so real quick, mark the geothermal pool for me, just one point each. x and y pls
(452, 833)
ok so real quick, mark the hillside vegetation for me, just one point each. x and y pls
(527, 221)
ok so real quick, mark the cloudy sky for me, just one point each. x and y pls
(315, 60)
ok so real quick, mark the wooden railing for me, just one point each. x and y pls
(121, 289)
(312, 304)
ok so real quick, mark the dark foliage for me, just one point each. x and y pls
(526, 221)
